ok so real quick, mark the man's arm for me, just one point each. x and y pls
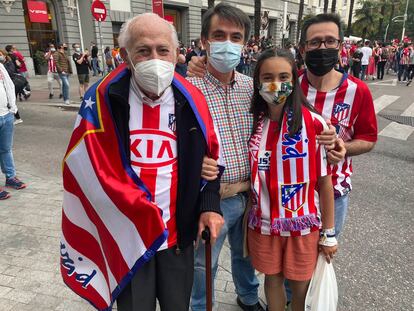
(211, 215)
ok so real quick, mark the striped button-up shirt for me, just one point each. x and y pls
(229, 107)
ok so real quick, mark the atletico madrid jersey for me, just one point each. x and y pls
(284, 177)
(351, 110)
(153, 152)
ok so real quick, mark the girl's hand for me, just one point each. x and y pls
(328, 252)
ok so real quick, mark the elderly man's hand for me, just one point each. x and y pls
(197, 66)
(212, 220)
(337, 154)
(327, 137)
(209, 170)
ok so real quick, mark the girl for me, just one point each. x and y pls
(289, 180)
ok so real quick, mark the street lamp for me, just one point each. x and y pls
(392, 20)
(405, 19)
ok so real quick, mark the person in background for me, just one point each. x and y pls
(404, 60)
(82, 68)
(52, 74)
(11, 70)
(181, 66)
(382, 53)
(114, 54)
(366, 54)
(410, 73)
(253, 58)
(64, 69)
(196, 51)
(20, 61)
(95, 62)
(7, 110)
(108, 60)
(356, 63)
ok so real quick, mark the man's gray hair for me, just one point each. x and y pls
(124, 38)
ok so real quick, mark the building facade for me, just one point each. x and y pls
(71, 21)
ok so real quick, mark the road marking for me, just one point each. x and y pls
(409, 112)
(383, 101)
(391, 82)
(397, 131)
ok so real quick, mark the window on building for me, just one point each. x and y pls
(120, 5)
(116, 29)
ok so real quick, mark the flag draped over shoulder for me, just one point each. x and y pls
(110, 226)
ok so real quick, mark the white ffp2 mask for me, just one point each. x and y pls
(154, 75)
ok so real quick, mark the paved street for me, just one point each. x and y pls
(374, 266)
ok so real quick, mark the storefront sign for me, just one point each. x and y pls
(38, 12)
(158, 8)
(169, 18)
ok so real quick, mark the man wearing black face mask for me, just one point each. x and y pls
(343, 99)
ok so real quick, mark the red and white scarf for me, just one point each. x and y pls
(284, 174)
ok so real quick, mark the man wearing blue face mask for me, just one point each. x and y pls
(228, 94)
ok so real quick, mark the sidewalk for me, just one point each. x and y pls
(30, 230)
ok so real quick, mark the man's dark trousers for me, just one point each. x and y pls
(168, 277)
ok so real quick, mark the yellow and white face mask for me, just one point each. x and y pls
(276, 92)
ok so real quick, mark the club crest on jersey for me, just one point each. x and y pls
(293, 196)
(341, 111)
(152, 148)
(171, 122)
(264, 160)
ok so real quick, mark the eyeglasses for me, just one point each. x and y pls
(330, 43)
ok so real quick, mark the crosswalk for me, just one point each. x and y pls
(396, 130)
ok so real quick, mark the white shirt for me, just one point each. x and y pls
(366, 53)
(3, 99)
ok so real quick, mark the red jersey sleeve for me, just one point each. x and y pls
(365, 126)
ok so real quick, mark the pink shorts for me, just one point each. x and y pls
(295, 257)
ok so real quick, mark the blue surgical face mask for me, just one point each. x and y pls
(224, 56)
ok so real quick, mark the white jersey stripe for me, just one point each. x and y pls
(85, 266)
(81, 167)
(77, 215)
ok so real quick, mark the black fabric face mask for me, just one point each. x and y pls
(321, 61)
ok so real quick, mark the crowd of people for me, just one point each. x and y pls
(60, 68)
(371, 60)
(286, 145)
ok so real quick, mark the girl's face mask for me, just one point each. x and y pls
(276, 92)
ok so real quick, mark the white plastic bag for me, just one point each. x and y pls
(322, 293)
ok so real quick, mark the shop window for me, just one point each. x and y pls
(116, 29)
(42, 29)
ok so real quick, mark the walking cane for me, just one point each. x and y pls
(205, 235)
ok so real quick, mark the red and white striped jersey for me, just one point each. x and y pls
(51, 64)
(154, 152)
(284, 177)
(351, 110)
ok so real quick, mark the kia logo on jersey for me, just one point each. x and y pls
(151, 148)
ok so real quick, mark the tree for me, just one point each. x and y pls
(351, 12)
(257, 17)
(384, 4)
(210, 3)
(333, 6)
(367, 18)
(300, 16)
(325, 6)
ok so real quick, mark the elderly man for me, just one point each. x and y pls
(163, 129)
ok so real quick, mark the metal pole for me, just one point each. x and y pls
(80, 26)
(102, 48)
(386, 32)
(284, 23)
(405, 19)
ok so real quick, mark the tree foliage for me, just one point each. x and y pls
(373, 16)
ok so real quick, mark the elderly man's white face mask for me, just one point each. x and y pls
(154, 75)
